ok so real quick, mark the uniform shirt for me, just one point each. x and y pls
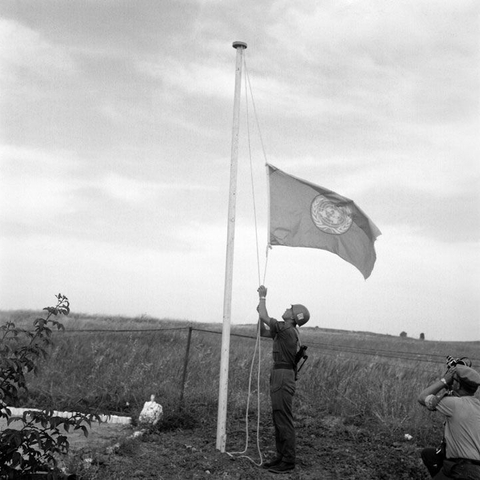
(285, 342)
(462, 426)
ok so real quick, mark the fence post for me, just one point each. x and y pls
(185, 364)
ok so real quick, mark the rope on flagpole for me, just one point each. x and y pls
(241, 454)
(247, 81)
(251, 177)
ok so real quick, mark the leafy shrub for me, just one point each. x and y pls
(34, 446)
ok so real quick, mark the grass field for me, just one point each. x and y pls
(366, 379)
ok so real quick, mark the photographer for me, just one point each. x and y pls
(453, 396)
(286, 353)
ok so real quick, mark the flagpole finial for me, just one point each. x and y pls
(239, 44)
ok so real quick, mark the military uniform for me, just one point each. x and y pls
(282, 387)
(461, 458)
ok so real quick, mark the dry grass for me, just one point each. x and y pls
(366, 379)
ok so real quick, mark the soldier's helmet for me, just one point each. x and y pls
(301, 314)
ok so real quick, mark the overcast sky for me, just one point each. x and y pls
(115, 141)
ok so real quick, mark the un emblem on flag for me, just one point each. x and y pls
(329, 217)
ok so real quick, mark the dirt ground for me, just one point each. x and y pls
(327, 449)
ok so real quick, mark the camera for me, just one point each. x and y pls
(453, 362)
(301, 354)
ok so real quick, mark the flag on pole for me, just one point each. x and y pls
(305, 215)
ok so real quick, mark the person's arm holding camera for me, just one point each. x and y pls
(428, 398)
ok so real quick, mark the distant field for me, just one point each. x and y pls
(363, 377)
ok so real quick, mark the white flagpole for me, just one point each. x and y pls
(267, 169)
(227, 298)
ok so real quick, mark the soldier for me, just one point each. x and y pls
(282, 377)
(453, 396)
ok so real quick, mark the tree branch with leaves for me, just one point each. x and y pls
(35, 446)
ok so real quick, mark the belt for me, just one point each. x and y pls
(464, 460)
(285, 366)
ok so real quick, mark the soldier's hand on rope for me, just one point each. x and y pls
(262, 291)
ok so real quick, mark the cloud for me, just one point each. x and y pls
(46, 191)
(116, 153)
(453, 219)
(410, 60)
(189, 78)
(34, 190)
(27, 56)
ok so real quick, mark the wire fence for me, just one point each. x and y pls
(327, 348)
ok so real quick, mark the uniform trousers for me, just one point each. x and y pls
(459, 469)
(282, 390)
